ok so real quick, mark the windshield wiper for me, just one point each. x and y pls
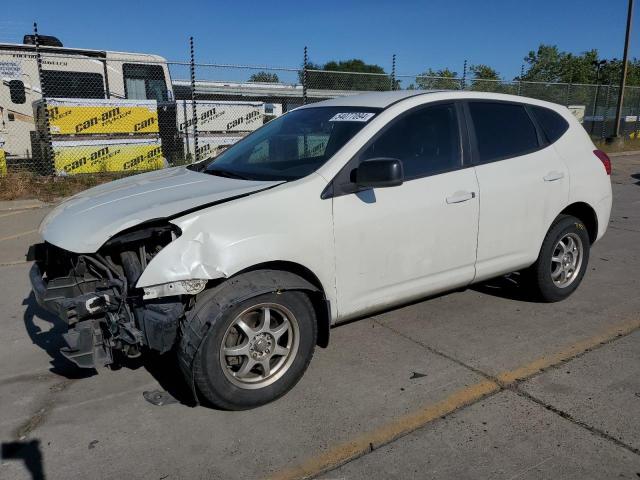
(225, 173)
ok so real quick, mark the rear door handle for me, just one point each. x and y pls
(461, 196)
(553, 176)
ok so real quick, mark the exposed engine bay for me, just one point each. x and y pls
(96, 295)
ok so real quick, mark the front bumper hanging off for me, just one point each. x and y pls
(86, 345)
(102, 308)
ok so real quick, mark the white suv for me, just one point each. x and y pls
(332, 211)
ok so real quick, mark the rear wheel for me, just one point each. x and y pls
(562, 261)
(255, 351)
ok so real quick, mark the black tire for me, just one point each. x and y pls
(539, 274)
(204, 330)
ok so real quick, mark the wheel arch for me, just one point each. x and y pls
(587, 214)
(286, 275)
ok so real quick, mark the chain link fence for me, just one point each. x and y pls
(65, 112)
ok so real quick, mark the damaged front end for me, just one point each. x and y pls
(96, 295)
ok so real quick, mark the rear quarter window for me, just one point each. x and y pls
(552, 123)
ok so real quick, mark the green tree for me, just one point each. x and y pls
(549, 64)
(443, 79)
(485, 79)
(544, 64)
(484, 72)
(264, 77)
(611, 71)
(347, 75)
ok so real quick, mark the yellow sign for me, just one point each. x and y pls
(102, 117)
(107, 157)
(3, 163)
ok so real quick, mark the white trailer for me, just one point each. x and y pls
(70, 73)
(209, 145)
(220, 116)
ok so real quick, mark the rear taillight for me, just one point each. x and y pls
(604, 158)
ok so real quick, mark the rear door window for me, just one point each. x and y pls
(502, 130)
(552, 123)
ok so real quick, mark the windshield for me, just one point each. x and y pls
(293, 145)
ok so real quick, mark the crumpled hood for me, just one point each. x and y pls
(84, 222)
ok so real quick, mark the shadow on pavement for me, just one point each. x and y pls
(51, 340)
(636, 176)
(510, 287)
(29, 452)
(165, 370)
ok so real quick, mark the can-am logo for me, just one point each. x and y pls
(144, 124)
(203, 119)
(248, 118)
(86, 124)
(94, 157)
(106, 117)
(208, 114)
(150, 155)
(110, 114)
(204, 149)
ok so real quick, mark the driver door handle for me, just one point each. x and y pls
(461, 196)
(553, 176)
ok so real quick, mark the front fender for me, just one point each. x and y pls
(206, 256)
(288, 224)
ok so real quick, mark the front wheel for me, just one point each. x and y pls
(562, 261)
(255, 351)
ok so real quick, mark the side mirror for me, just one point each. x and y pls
(379, 173)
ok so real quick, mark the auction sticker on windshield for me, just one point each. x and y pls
(352, 117)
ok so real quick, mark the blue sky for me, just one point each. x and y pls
(423, 34)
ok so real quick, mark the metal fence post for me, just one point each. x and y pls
(463, 84)
(568, 99)
(636, 131)
(186, 147)
(520, 79)
(603, 133)
(595, 110)
(305, 61)
(393, 72)
(48, 167)
(194, 115)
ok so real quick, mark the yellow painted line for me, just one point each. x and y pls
(18, 235)
(387, 433)
(11, 264)
(350, 450)
(571, 351)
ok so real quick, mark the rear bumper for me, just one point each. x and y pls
(603, 213)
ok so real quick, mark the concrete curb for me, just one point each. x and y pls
(624, 154)
(10, 205)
